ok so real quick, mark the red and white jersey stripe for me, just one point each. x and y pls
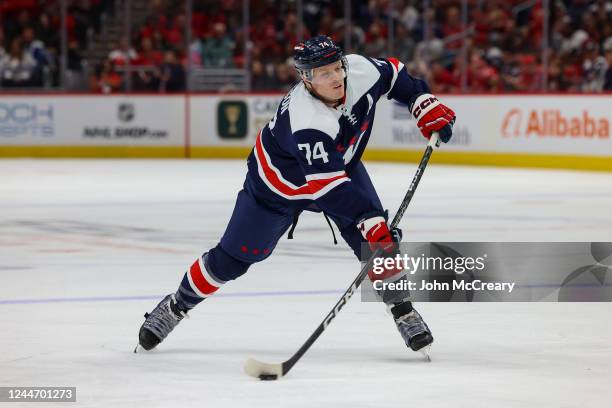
(315, 186)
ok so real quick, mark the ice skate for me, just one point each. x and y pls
(412, 328)
(159, 323)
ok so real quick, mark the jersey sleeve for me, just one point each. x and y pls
(397, 83)
(324, 170)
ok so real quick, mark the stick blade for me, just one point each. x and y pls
(263, 371)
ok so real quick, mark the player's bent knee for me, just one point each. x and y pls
(225, 266)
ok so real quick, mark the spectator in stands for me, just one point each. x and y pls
(107, 80)
(123, 53)
(313, 11)
(289, 28)
(239, 49)
(84, 19)
(260, 80)
(48, 34)
(264, 34)
(511, 75)
(195, 52)
(410, 16)
(555, 79)
(14, 26)
(148, 28)
(75, 57)
(158, 71)
(3, 55)
(482, 75)
(326, 24)
(594, 67)
(608, 76)
(75, 71)
(452, 27)
(218, 50)
(35, 48)
(429, 50)
(444, 81)
(376, 43)
(20, 68)
(172, 74)
(404, 44)
(148, 55)
(173, 35)
(284, 77)
(147, 80)
(357, 36)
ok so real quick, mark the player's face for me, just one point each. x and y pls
(328, 81)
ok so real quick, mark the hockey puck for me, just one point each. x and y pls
(268, 377)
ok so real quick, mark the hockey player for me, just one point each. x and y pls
(308, 157)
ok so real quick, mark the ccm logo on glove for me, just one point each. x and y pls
(433, 116)
(429, 99)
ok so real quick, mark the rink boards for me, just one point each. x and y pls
(563, 131)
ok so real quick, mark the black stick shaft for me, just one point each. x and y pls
(287, 365)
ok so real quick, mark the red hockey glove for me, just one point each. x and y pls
(433, 116)
(376, 232)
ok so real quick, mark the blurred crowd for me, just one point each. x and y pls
(503, 52)
(30, 38)
(499, 49)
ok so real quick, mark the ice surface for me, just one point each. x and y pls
(86, 247)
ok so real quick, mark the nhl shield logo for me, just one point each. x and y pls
(126, 112)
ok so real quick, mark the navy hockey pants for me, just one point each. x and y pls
(255, 228)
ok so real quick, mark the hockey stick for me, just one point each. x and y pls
(266, 371)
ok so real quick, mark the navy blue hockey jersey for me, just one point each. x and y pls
(306, 151)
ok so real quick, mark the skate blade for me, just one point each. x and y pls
(425, 351)
(137, 348)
